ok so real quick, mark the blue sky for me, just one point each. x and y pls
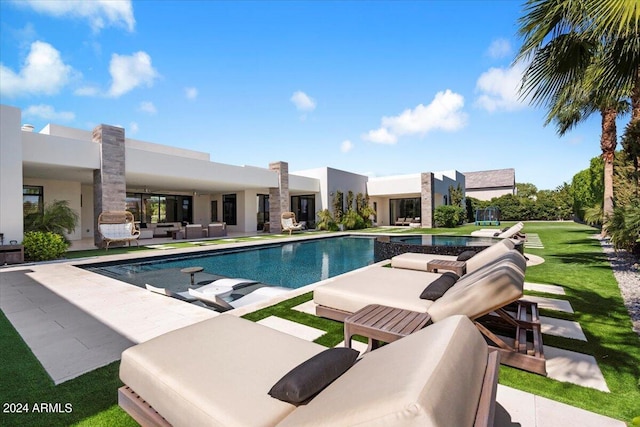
(378, 88)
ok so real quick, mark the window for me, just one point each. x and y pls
(214, 211)
(159, 208)
(263, 210)
(229, 209)
(305, 209)
(32, 200)
(404, 208)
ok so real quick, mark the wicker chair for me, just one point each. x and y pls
(117, 226)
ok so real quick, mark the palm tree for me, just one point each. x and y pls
(569, 55)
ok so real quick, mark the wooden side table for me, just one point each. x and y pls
(458, 267)
(382, 323)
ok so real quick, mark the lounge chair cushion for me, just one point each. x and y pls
(216, 372)
(466, 256)
(438, 287)
(313, 375)
(430, 378)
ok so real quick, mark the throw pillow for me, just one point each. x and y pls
(313, 375)
(438, 287)
(465, 256)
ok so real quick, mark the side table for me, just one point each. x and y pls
(458, 267)
(382, 323)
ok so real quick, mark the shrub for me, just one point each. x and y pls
(325, 221)
(43, 246)
(353, 221)
(448, 216)
(623, 226)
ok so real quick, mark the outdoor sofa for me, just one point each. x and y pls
(219, 372)
(117, 226)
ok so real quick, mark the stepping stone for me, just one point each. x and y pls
(161, 247)
(548, 289)
(550, 303)
(292, 328)
(562, 328)
(577, 368)
(308, 307)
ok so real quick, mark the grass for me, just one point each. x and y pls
(572, 259)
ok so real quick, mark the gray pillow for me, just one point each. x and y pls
(466, 256)
(313, 375)
(438, 287)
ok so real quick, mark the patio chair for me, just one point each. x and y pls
(220, 372)
(117, 226)
(510, 232)
(494, 288)
(288, 221)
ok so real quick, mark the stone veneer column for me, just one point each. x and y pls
(109, 185)
(426, 200)
(279, 200)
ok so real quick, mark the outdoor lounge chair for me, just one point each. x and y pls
(288, 221)
(511, 232)
(218, 373)
(182, 296)
(229, 293)
(117, 226)
(493, 288)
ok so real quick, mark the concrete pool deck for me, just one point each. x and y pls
(76, 321)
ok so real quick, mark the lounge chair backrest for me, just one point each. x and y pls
(510, 232)
(392, 387)
(490, 254)
(484, 290)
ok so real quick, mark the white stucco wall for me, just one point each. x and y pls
(87, 222)
(11, 221)
(400, 186)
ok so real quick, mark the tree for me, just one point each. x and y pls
(526, 189)
(57, 217)
(570, 54)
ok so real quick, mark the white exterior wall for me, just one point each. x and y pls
(250, 219)
(201, 210)
(488, 194)
(11, 219)
(86, 212)
(395, 186)
(62, 190)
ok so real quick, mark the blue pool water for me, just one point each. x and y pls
(290, 265)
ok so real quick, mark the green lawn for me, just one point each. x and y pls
(573, 260)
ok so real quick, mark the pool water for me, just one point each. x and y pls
(291, 265)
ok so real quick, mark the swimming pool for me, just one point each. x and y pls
(291, 265)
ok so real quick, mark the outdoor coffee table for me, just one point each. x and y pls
(382, 323)
(458, 267)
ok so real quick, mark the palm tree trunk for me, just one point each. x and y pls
(635, 117)
(608, 142)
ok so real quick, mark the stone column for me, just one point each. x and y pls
(109, 184)
(426, 200)
(279, 200)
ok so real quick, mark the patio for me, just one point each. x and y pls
(75, 321)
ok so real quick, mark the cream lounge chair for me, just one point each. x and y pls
(288, 221)
(418, 261)
(229, 293)
(492, 288)
(511, 232)
(218, 373)
(117, 226)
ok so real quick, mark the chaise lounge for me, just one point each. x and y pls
(219, 373)
(509, 233)
(491, 292)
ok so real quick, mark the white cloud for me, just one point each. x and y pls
(380, 136)
(129, 72)
(499, 48)
(148, 107)
(98, 13)
(133, 128)
(346, 146)
(43, 73)
(87, 91)
(498, 89)
(443, 113)
(191, 92)
(47, 112)
(302, 101)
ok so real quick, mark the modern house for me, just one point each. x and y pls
(104, 170)
(485, 185)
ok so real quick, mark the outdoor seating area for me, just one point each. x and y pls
(260, 381)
